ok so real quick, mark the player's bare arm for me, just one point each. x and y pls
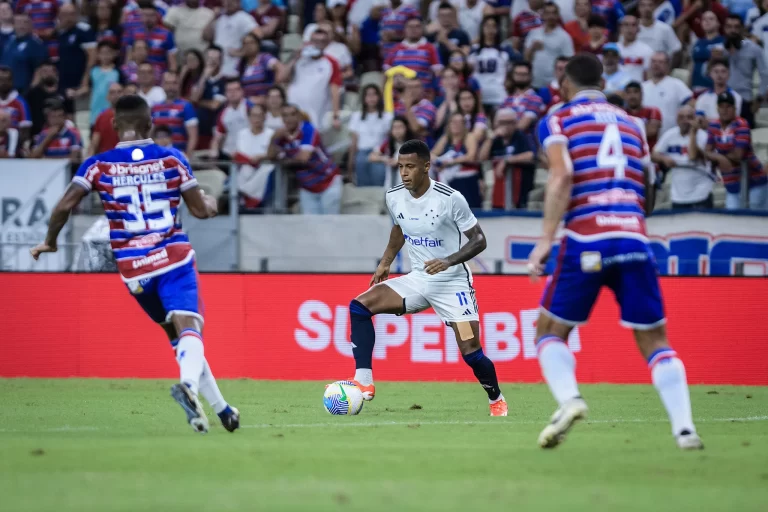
(556, 199)
(59, 217)
(200, 205)
(475, 245)
(396, 242)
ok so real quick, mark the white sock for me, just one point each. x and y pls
(210, 390)
(558, 366)
(189, 355)
(501, 397)
(668, 374)
(364, 376)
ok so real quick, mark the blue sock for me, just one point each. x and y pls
(485, 372)
(363, 334)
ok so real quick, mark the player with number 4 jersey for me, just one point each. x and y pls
(599, 186)
(141, 186)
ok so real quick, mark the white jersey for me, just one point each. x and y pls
(490, 71)
(635, 59)
(691, 181)
(660, 37)
(432, 226)
(707, 103)
(668, 95)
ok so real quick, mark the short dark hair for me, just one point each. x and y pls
(131, 104)
(718, 62)
(104, 43)
(584, 70)
(6, 69)
(146, 4)
(523, 63)
(53, 104)
(161, 128)
(633, 85)
(280, 90)
(615, 99)
(231, 80)
(415, 147)
(551, 4)
(562, 58)
(595, 20)
(732, 16)
(219, 49)
(445, 5)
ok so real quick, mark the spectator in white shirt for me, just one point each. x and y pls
(188, 22)
(635, 55)
(227, 32)
(252, 147)
(706, 103)
(545, 44)
(315, 86)
(681, 151)
(658, 35)
(471, 16)
(339, 51)
(275, 101)
(152, 94)
(368, 129)
(664, 92)
(231, 120)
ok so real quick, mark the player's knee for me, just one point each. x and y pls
(546, 325)
(651, 340)
(359, 308)
(469, 346)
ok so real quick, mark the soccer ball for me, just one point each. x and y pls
(342, 397)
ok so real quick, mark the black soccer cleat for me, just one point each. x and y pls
(230, 418)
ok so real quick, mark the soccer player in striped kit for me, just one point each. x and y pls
(141, 185)
(599, 184)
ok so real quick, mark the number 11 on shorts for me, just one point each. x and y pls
(462, 296)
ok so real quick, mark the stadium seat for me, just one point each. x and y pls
(211, 181)
(761, 118)
(351, 101)
(540, 179)
(718, 193)
(362, 200)
(760, 143)
(291, 42)
(682, 74)
(293, 24)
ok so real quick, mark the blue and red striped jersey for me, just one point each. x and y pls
(394, 20)
(42, 13)
(259, 76)
(132, 17)
(526, 103)
(176, 115)
(425, 111)
(140, 185)
(608, 154)
(524, 23)
(736, 135)
(18, 108)
(320, 169)
(421, 57)
(63, 144)
(160, 43)
(612, 11)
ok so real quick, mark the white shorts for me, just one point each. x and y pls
(453, 300)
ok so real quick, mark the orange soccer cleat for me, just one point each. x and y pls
(368, 391)
(499, 408)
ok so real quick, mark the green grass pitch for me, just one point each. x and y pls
(123, 445)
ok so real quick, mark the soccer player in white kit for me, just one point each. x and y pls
(430, 217)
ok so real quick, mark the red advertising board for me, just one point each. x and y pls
(296, 327)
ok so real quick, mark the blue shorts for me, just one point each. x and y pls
(624, 265)
(175, 292)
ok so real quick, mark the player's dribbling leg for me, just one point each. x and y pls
(191, 359)
(379, 299)
(558, 366)
(482, 366)
(668, 375)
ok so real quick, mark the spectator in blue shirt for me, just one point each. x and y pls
(23, 53)
(739, 7)
(76, 45)
(702, 51)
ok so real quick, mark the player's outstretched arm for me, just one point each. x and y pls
(200, 204)
(396, 242)
(475, 245)
(556, 199)
(59, 216)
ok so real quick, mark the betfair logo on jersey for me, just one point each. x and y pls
(423, 241)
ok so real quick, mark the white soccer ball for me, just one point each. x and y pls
(342, 398)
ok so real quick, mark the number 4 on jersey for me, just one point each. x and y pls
(611, 151)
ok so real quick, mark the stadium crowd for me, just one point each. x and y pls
(328, 90)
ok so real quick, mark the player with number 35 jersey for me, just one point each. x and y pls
(141, 186)
(599, 186)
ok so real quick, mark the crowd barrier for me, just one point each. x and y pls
(295, 327)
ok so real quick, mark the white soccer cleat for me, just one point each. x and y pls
(688, 440)
(192, 407)
(562, 420)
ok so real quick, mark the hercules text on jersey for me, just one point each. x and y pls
(609, 153)
(140, 186)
